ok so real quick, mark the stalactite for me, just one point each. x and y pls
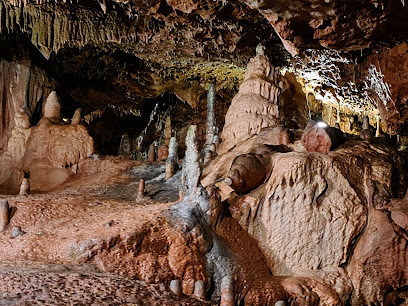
(50, 30)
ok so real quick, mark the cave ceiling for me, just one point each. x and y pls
(124, 52)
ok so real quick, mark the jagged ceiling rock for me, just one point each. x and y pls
(369, 85)
(123, 53)
(135, 50)
(335, 24)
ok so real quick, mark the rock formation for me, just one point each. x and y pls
(25, 187)
(125, 147)
(172, 159)
(256, 104)
(76, 118)
(310, 211)
(21, 86)
(4, 214)
(211, 131)
(48, 144)
(191, 171)
(365, 132)
(61, 145)
(321, 139)
(270, 212)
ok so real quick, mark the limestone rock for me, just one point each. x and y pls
(151, 153)
(60, 145)
(76, 118)
(162, 153)
(125, 147)
(191, 171)
(312, 209)
(255, 106)
(4, 214)
(172, 159)
(52, 108)
(321, 139)
(247, 172)
(21, 86)
(381, 256)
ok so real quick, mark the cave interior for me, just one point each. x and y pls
(180, 152)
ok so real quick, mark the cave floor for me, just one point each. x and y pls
(30, 283)
(41, 266)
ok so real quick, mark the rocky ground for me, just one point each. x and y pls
(29, 283)
(87, 206)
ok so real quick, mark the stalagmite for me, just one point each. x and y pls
(365, 133)
(191, 168)
(211, 127)
(151, 153)
(4, 214)
(25, 186)
(175, 287)
(227, 292)
(52, 108)
(172, 159)
(255, 107)
(76, 118)
(337, 126)
(167, 130)
(211, 133)
(125, 147)
(199, 290)
(366, 123)
(378, 130)
(142, 189)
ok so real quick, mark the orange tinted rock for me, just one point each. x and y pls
(61, 145)
(162, 153)
(379, 260)
(321, 139)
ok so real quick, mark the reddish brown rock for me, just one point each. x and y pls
(4, 214)
(60, 145)
(321, 139)
(247, 172)
(151, 153)
(20, 86)
(162, 153)
(379, 261)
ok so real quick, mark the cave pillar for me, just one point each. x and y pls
(365, 131)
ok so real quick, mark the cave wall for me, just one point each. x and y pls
(20, 86)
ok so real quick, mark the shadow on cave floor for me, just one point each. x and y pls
(157, 189)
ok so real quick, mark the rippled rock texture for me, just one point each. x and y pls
(329, 212)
